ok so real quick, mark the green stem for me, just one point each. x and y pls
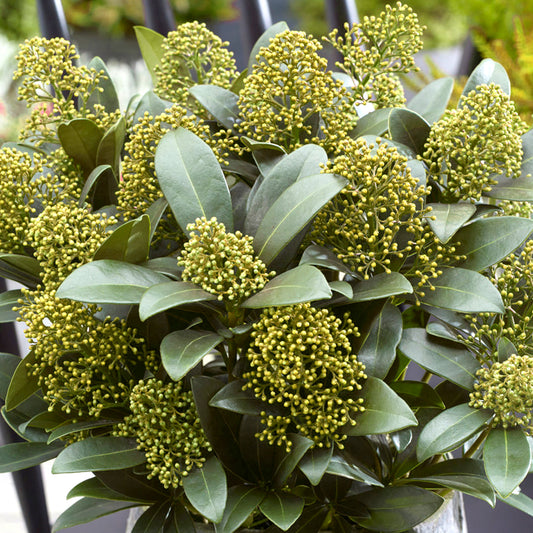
(478, 442)
(426, 377)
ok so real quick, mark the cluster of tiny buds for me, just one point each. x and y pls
(222, 263)
(301, 361)
(165, 423)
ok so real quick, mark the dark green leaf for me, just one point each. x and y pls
(98, 453)
(296, 206)
(384, 410)
(486, 241)
(69, 429)
(266, 156)
(21, 455)
(397, 508)
(442, 330)
(104, 172)
(507, 457)
(220, 102)
(379, 348)
(95, 488)
(155, 212)
(153, 519)
(129, 242)
(339, 465)
(20, 268)
(448, 360)
(401, 439)
(80, 138)
(191, 179)
(108, 281)
(448, 218)
(343, 288)
(527, 157)
(323, 257)
(241, 503)
(170, 294)
(487, 72)
(409, 128)
(315, 463)
(449, 429)
(108, 96)
(264, 41)
(8, 300)
(8, 365)
(381, 286)
(87, 510)
(303, 162)
(465, 291)
(22, 385)
(304, 283)
(290, 460)
(182, 350)
(514, 189)
(179, 520)
(233, 398)
(520, 501)
(417, 394)
(150, 44)
(206, 489)
(132, 485)
(432, 100)
(373, 123)
(111, 144)
(282, 508)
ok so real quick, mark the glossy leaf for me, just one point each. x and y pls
(300, 445)
(397, 508)
(304, 283)
(432, 100)
(8, 365)
(409, 128)
(233, 398)
(342, 287)
(206, 489)
(108, 97)
(87, 510)
(184, 349)
(150, 43)
(448, 360)
(487, 72)
(110, 146)
(384, 410)
(241, 503)
(20, 268)
(22, 384)
(101, 172)
(315, 463)
(95, 488)
(108, 281)
(153, 519)
(191, 179)
(311, 520)
(341, 466)
(132, 485)
(21, 455)
(296, 206)
(282, 508)
(69, 429)
(507, 457)
(80, 138)
(449, 429)
(8, 300)
(417, 394)
(520, 501)
(448, 218)
(381, 286)
(264, 41)
(379, 349)
(323, 257)
(179, 520)
(374, 123)
(486, 241)
(465, 291)
(515, 189)
(220, 102)
(303, 162)
(129, 242)
(98, 453)
(171, 294)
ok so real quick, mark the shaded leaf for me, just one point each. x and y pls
(409, 128)
(323, 257)
(22, 384)
(75, 427)
(80, 138)
(153, 519)
(417, 394)
(381, 286)
(132, 485)
(515, 189)
(179, 520)
(341, 466)
(448, 218)
(8, 300)
(315, 463)
(110, 146)
(220, 102)
(98, 173)
(233, 398)
(21, 455)
(95, 488)
(241, 503)
(182, 350)
(20, 268)
(108, 97)
(290, 460)
(8, 365)
(282, 508)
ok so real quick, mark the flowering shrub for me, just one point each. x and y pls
(229, 288)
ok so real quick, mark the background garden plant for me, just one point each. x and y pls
(228, 288)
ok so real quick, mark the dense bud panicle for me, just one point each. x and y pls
(301, 361)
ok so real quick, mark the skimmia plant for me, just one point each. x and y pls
(282, 299)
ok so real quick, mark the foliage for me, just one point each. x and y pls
(229, 287)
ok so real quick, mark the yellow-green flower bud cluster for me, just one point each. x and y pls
(291, 98)
(54, 86)
(378, 218)
(139, 187)
(377, 49)
(192, 55)
(166, 426)
(301, 360)
(507, 389)
(471, 144)
(17, 200)
(222, 263)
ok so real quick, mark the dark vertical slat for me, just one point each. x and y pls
(470, 58)
(52, 21)
(29, 482)
(158, 16)
(255, 19)
(340, 11)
